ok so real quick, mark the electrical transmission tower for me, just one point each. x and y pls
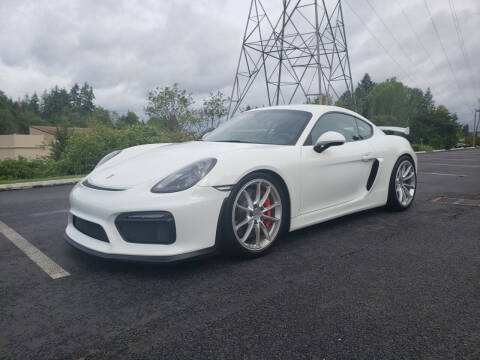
(302, 56)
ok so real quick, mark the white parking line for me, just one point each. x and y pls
(441, 174)
(456, 201)
(454, 159)
(46, 213)
(52, 269)
(456, 165)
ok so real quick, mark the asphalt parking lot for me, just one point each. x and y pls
(370, 285)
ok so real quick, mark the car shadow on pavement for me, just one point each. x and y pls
(218, 260)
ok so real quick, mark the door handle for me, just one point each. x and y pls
(368, 157)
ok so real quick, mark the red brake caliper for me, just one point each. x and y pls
(268, 213)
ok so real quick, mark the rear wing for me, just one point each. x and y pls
(405, 131)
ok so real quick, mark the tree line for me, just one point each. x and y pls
(58, 107)
(393, 103)
(172, 115)
(169, 108)
(174, 110)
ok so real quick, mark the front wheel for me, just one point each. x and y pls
(403, 184)
(256, 212)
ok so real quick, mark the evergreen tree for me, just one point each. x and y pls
(74, 98)
(428, 102)
(7, 115)
(35, 103)
(86, 98)
(366, 84)
(54, 102)
(25, 102)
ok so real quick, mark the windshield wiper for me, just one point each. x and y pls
(235, 141)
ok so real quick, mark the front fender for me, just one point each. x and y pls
(282, 160)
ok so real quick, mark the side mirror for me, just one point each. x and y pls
(330, 138)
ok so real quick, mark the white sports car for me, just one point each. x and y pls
(262, 173)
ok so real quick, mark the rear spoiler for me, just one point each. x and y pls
(405, 131)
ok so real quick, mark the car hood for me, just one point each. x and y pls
(154, 162)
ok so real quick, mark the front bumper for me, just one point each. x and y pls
(196, 212)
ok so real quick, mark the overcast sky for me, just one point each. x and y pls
(125, 48)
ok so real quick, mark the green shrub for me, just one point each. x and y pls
(83, 150)
(22, 168)
(422, 147)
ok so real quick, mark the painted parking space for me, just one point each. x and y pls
(51, 268)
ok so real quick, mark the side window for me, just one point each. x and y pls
(342, 123)
(364, 129)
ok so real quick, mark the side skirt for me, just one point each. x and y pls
(316, 217)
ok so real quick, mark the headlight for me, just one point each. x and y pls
(108, 157)
(185, 177)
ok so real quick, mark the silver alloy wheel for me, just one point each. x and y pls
(257, 214)
(405, 182)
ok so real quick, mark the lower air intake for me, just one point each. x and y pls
(90, 229)
(152, 227)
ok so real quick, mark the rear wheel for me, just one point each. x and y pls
(255, 215)
(403, 184)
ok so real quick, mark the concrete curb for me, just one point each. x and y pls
(33, 184)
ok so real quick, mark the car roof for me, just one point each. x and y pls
(315, 109)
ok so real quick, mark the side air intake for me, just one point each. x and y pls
(373, 174)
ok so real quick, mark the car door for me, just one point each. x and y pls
(340, 173)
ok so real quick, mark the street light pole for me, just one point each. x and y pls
(473, 129)
(475, 125)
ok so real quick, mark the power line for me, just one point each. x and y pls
(394, 38)
(443, 47)
(417, 36)
(461, 42)
(378, 41)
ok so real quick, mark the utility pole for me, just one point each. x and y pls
(299, 56)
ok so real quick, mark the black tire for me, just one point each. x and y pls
(393, 203)
(229, 242)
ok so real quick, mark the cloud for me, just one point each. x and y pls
(125, 48)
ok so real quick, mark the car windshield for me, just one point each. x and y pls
(276, 127)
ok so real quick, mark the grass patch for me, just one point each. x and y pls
(422, 147)
(16, 181)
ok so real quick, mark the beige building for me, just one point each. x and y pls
(36, 144)
(48, 132)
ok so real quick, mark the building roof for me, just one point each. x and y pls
(52, 130)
